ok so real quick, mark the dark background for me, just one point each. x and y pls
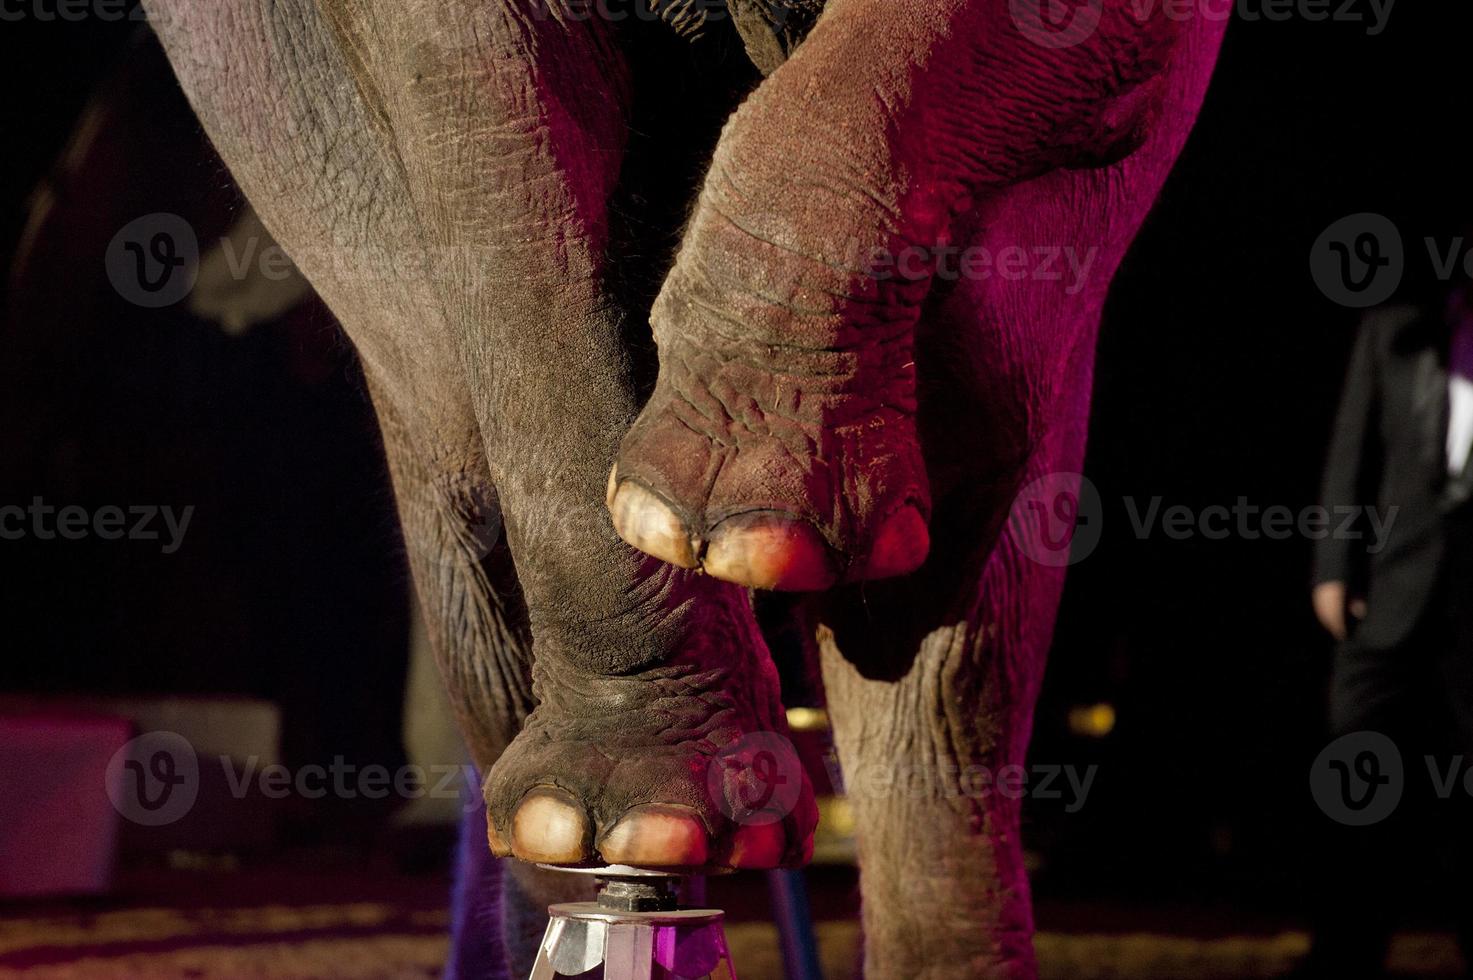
(1219, 364)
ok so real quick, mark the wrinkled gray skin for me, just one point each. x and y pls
(553, 168)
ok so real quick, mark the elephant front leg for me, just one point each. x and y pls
(277, 94)
(510, 127)
(439, 170)
(477, 619)
(779, 449)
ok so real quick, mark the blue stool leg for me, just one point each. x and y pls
(794, 924)
(476, 950)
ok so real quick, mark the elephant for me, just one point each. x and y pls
(702, 301)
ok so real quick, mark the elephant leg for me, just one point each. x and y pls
(277, 94)
(465, 580)
(511, 127)
(932, 678)
(441, 171)
(924, 721)
(780, 447)
(931, 682)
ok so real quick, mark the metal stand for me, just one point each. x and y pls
(635, 931)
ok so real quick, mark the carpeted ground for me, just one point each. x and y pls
(372, 941)
(299, 927)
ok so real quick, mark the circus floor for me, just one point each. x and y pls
(218, 923)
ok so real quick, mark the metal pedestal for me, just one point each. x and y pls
(635, 931)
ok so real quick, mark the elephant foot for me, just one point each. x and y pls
(795, 470)
(664, 769)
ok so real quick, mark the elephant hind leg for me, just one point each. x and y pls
(943, 885)
(930, 682)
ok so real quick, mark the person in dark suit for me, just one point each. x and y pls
(1399, 602)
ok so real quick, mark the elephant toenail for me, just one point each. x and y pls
(766, 550)
(901, 545)
(656, 836)
(758, 846)
(646, 522)
(550, 828)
